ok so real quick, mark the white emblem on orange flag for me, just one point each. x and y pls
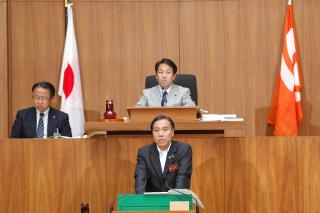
(286, 109)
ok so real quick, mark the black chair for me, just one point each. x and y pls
(184, 80)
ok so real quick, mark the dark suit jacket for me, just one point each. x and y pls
(148, 175)
(25, 124)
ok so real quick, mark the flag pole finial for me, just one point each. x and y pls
(289, 2)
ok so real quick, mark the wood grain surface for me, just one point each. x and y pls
(260, 174)
(233, 48)
(4, 87)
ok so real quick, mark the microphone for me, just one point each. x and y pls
(197, 205)
(56, 134)
(117, 198)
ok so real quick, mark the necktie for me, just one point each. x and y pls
(40, 129)
(164, 98)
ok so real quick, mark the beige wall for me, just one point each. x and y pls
(233, 47)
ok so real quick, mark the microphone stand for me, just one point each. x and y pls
(117, 198)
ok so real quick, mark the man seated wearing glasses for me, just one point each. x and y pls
(166, 93)
(41, 121)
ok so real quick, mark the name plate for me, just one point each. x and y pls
(179, 206)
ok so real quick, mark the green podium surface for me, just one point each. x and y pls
(151, 211)
(150, 202)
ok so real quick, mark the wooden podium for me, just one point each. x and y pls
(176, 113)
(185, 119)
(217, 128)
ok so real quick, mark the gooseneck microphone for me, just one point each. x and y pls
(188, 195)
(117, 198)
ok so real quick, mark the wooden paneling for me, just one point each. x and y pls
(43, 177)
(3, 70)
(208, 172)
(308, 164)
(50, 176)
(237, 49)
(201, 49)
(37, 46)
(237, 45)
(94, 176)
(263, 174)
(119, 43)
(272, 176)
(306, 18)
(233, 47)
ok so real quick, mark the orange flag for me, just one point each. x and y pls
(286, 109)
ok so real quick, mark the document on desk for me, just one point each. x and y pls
(195, 198)
(155, 193)
(220, 117)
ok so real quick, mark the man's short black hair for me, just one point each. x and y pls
(168, 62)
(162, 117)
(45, 85)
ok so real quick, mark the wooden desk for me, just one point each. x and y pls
(177, 113)
(216, 128)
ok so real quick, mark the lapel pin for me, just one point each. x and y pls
(171, 156)
(173, 167)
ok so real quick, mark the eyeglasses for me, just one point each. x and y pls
(40, 98)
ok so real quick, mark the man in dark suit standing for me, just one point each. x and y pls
(165, 163)
(42, 120)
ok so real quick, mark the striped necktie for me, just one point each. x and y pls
(40, 129)
(164, 98)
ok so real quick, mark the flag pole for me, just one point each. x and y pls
(70, 88)
(66, 13)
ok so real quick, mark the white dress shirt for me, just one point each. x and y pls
(162, 90)
(163, 156)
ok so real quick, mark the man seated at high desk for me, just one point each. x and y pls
(166, 93)
(165, 163)
(42, 120)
